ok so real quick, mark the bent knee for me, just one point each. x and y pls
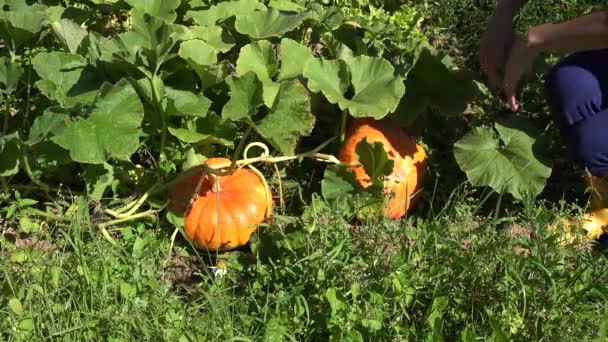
(574, 93)
(590, 143)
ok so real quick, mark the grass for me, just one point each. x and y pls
(459, 268)
(440, 273)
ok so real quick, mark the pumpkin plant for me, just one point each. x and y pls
(408, 157)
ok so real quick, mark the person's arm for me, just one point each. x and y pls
(587, 32)
(510, 7)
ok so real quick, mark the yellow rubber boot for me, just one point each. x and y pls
(595, 219)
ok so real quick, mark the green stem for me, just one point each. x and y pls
(343, 125)
(29, 87)
(30, 174)
(163, 120)
(49, 216)
(132, 207)
(5, 189)
(7, 113)
(103, 226)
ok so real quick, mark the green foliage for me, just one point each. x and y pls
(506, 162)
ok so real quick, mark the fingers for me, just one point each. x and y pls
(490, 68)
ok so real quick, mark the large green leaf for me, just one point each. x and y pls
(66, 78)
(508, 162)
(198, 53)
(269, 23)
(219, 39)
(164, 9)
(98, 178)
(146, 45)
(289, 118)
(260, 57)
(294, 57)
(245, 96)
(52, 121)
(435, 82)
(210, 129)
(376, 89)
(10, 152)
(69, 34)
(224, 10)
(10, 73)
(112, 130)
(185, 103)
(374, 159)
(338, 181)
(19, 26)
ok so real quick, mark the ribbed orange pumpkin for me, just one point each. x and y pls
(245, 201)
(409, 161)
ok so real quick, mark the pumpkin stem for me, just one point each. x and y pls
(213, 180)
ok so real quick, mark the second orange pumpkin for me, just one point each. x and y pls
(409, 161)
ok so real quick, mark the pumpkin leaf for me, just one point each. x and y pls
(146, 45)
(338, 181)
(294, 57)
(285, 5)
(210, 129)
(221, 40)
(434, 82)
(112, 129)
(376, 90)
(197, 52)
(66, 78)
(374, 159)
(52, 121)
(69, 34)
(10, 74)
(98, 178)
(289, 118)
(10, 151)
(269, 23)
(245, 96)
(260, 58)
(19, 26)
(164, 9)
(224, 10)
(508, 162)
(185, 103)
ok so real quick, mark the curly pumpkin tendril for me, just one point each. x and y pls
(128, 212)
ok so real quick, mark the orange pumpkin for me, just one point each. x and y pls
(245, 201)
(409, 161)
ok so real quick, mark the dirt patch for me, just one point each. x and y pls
(11, 235)
(182, 272)
(517, 230)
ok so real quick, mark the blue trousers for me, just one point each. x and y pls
(577, 92)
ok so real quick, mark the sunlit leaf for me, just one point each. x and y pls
(69, 34)
(269, 23)
(10, 74)
(289, 118)
(508, 162)
(66, 78)
(376, 89)
(112, 130)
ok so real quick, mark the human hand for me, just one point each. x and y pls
(495, 46)
(520, 61)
